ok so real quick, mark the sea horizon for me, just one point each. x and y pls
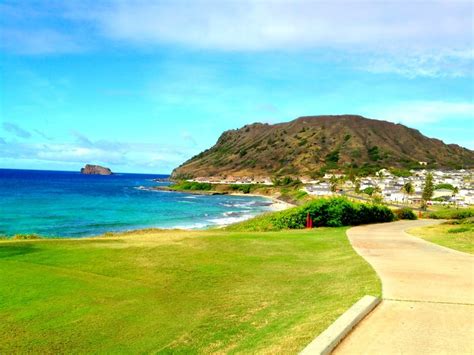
(79, 172)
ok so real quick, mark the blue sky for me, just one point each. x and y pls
(141, 86)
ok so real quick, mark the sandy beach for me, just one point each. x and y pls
(277, 204)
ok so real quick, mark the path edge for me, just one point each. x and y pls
(326, 342)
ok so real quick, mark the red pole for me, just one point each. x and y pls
(419, 214)
(309, 221)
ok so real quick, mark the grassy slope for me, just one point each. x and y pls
(210, 291)
(439, 212)
(456, 236)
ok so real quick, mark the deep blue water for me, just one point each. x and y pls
(69, 204)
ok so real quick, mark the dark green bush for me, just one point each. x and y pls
(460, 229)
(405, 213)
(374, 153)
(333, 156)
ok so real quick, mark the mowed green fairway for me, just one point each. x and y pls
(172, 291)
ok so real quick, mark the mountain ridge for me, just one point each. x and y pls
(312, 145)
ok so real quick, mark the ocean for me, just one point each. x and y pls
(69, 204)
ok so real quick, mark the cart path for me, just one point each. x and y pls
(427, 291)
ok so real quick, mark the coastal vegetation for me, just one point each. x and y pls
(400, 172)
(178, 292)
(454, 234)
(333, 212)
(184, 185)
(26, 236)
(285, 188)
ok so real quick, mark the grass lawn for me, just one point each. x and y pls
(174, 291)
(442, 212)
(449, 234)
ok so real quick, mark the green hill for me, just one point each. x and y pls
(308, 146)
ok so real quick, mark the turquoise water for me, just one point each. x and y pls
(70, 204)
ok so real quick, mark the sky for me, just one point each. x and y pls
(142, 86)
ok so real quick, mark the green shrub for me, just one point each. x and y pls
(460, 229)
(374, 153)
(332, 157)
(286, 181)
(334, 212)
(192, 186)
(299, 194)
(444, 186)
(369, 190)
(26, 237)
(405, 213)
(465, 225)
(244, 188)
(400, 172)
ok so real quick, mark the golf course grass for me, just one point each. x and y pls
(177, 291)
(458, 236)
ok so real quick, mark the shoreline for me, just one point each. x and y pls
(280, 204)
(190, 192)
(275, 206)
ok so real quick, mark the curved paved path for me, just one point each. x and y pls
(428, 295)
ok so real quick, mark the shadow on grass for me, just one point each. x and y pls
(10, 250)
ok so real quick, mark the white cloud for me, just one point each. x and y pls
(141, 156)
(410, 38)
(439, 63)
(16, 130)
(421, 112)
(259, 25)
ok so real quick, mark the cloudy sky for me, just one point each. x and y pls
(141, 86)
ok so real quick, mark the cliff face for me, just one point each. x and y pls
(95, 170)
(317, 143)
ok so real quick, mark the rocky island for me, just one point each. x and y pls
(95, 170)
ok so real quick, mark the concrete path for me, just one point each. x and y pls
(428, 295)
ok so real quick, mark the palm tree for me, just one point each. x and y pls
(357, 186)
(455, 192)
(334, 182)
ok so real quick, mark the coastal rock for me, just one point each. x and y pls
(95, 170)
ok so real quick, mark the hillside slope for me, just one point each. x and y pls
(308, 146)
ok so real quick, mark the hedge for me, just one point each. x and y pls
(333, 212)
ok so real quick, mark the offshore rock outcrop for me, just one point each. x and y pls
(95, 170)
